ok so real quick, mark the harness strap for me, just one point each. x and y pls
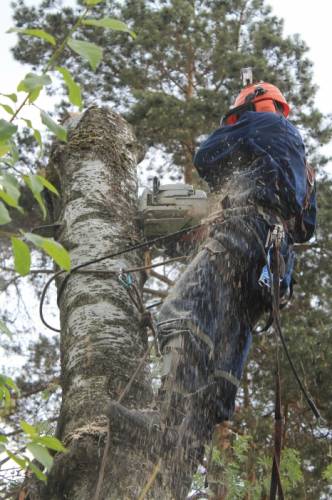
(227, 376)
(310, 177)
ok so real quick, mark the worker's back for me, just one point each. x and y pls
(271, 152)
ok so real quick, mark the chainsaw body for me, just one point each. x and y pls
(167, 208)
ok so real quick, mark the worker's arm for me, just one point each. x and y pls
(217, 155)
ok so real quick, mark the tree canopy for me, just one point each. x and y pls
(181, 73)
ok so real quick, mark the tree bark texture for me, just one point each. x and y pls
(101, 338)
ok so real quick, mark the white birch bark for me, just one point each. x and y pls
(101, 340)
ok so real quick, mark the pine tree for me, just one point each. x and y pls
(181, 73)
(173, 83)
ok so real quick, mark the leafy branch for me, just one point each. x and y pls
(39, 446)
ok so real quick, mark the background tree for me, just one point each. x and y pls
(182, 71)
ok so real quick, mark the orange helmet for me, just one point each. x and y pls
(262, 91)
(260, 96)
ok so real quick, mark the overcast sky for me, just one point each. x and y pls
(311, 20)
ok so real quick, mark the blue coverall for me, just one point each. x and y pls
(205, 324)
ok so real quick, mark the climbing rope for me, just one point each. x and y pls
(100, 259)
(276, 485)
(274, 276)
(218, 216)
(277, 325)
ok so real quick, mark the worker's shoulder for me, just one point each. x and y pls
(273, 121)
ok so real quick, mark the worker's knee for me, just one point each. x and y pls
(172, 355)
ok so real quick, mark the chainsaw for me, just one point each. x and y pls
(167, 208)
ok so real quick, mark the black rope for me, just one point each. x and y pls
(310, 402)
(100, 259)
(276, 485)
(121, 252)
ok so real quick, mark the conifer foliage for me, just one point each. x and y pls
(173, 82)
(181, 73)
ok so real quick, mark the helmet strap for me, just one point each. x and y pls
(234, 114)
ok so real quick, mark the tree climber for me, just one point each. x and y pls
(256, 163)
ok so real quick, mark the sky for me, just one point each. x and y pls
(311, 21)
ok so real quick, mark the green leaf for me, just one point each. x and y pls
(52, 443)
(33, 84)
(37, 136)
(10, 383)
(32, 81)
(58, 253)
(90, 51)
(33, 96)
(41, 204)
(6, 130)
(327, 473)
(28, 429)
(4, 329)
(54, 127)
(37, 472)
(34, 32)
(9, 200)
(92, 2)
(22, 258)
(14, 152)
(12, 97)
(36, 187)
(35, 239)
(4, 215)
(45, 395)
(7, 108)
(41, 454)
(28, 122)
(74, 89)
(4, 149)
(20, 461)
(48, 185)
(6, 396)
(3, 439)
(33, 183)
(11, 185)
(110, 23)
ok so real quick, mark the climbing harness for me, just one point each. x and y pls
(100, 259)
(274, 279)
(275, 303)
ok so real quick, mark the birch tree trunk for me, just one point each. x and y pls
(101, 338)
